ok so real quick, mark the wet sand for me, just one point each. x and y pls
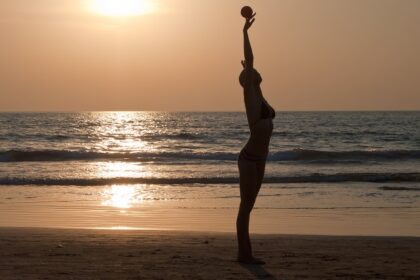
(28, 253)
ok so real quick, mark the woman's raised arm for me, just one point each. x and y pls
(249, 56)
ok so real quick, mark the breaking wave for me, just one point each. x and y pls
(314, 178)
(300, 155)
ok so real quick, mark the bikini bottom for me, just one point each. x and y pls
(245, 155)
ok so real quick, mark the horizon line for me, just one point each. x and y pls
(200, 111)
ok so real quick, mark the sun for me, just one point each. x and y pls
(121, 8)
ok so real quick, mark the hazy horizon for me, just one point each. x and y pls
(201, 111)
(64, 56)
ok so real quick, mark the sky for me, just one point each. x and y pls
(184, 55)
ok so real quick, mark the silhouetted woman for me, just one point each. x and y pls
(252, 158)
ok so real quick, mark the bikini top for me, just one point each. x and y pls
(267, 112)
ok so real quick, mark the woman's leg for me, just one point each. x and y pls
(248, 180)
(260, 176)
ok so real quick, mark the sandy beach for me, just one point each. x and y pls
(28, 253)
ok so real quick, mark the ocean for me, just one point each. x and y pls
(334, 161)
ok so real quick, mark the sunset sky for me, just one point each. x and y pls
(184, 55)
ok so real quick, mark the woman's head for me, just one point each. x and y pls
(254, 75)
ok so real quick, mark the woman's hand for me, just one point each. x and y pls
(249, 22)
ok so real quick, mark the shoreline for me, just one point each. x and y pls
(44, 253)
(171, 231)
(352, 209)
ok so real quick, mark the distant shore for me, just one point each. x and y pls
(29, 253)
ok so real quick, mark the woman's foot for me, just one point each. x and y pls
(250, 260)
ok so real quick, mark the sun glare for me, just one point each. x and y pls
(121, 8)
(121, 196)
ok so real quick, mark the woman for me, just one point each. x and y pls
(252, 158)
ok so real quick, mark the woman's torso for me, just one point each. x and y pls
(259, 140)
(260, 119)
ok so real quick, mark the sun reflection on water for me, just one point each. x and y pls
(121, 196)
(122, 131)
(116, 169)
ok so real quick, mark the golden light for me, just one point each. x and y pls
(126, 129)
(121, 170)
(121, 8)
(121, 196)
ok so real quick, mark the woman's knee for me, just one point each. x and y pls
(246, 207)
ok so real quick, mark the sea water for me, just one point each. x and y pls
(339, 162)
